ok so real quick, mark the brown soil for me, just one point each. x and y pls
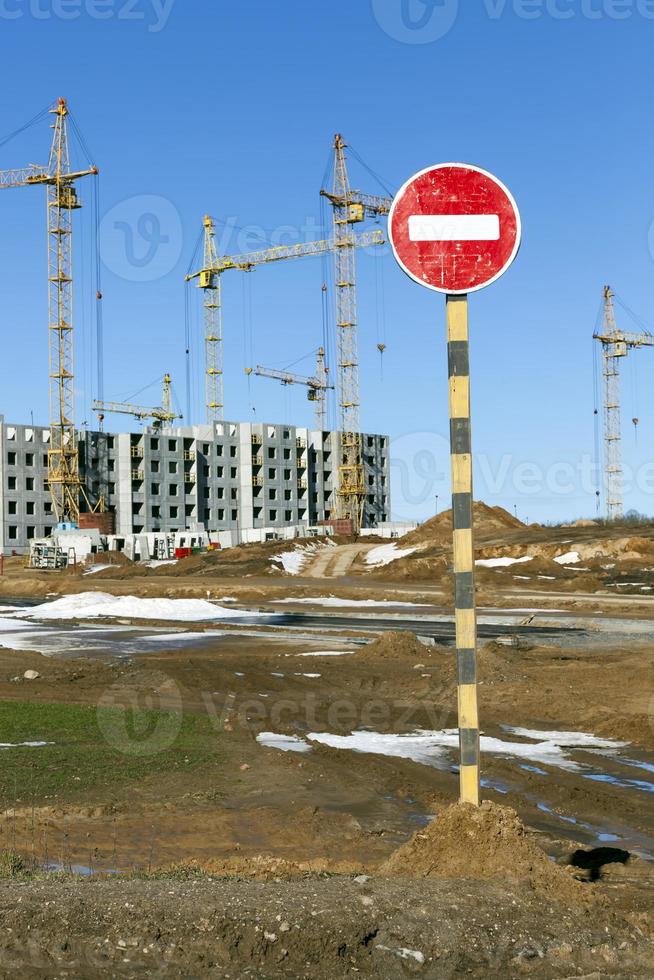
(479, 843)
(313, 928)
(277, 817)
(438, 530)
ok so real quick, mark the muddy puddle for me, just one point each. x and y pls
(555, 757)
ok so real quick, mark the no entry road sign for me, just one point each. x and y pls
(454, 228)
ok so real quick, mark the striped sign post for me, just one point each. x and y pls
(458, 362)
(455, 228)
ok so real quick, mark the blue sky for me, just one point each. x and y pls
(191, 106)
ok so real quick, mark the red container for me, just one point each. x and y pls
(182, 552)
(105, 522)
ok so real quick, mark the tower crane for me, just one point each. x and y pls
(209, 281)
(349, 207)
(161, 414)
(317, 386)
(615, 345)
(63, 457)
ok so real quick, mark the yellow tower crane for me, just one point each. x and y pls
(616, 344)
(209, 281)
(162, 414)
(317, 386)
(63, 458)
(349, 207)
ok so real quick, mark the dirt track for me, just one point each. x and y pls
(319, 928)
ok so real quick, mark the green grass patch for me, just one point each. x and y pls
(96, 748)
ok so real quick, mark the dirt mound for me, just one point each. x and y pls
(480, 843)
(439, 529)
(397, 646)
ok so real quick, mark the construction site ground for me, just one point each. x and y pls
(223, 798)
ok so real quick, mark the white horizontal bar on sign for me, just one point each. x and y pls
(454, 227)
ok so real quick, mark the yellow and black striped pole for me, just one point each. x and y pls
(464, 562)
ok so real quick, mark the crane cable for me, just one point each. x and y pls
(150, 384)
(382, 183)
(598, 467)
(380, 312)
(97, 258)
(27, 125)
(187, 325)
(634, 396)
(328, 326)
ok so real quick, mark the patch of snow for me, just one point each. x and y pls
(293, 562)
(324, 653)
(427, 748)
(569, 558)
(299, 674)
(502, 562)
(567, 739)
(287, 743)
(20, 745)
(385, 554)
(404, 953)
(92, 605)
(431, 748)
(94, 569)
(159, 562)
(14, 625)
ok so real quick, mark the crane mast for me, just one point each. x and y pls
(63, 469)
(349, 207)
(210, 282)
(615, 345)
(213, 326)
(63, 456)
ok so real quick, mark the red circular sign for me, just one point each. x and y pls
(454, 228)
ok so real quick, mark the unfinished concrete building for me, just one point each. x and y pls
(228, 476)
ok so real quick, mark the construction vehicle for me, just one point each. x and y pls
(209, 281)
(161, 415)
(66, 488)
(616, 344)
(317, 386)
(349, 207)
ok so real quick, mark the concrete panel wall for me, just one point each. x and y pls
(223, 477)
